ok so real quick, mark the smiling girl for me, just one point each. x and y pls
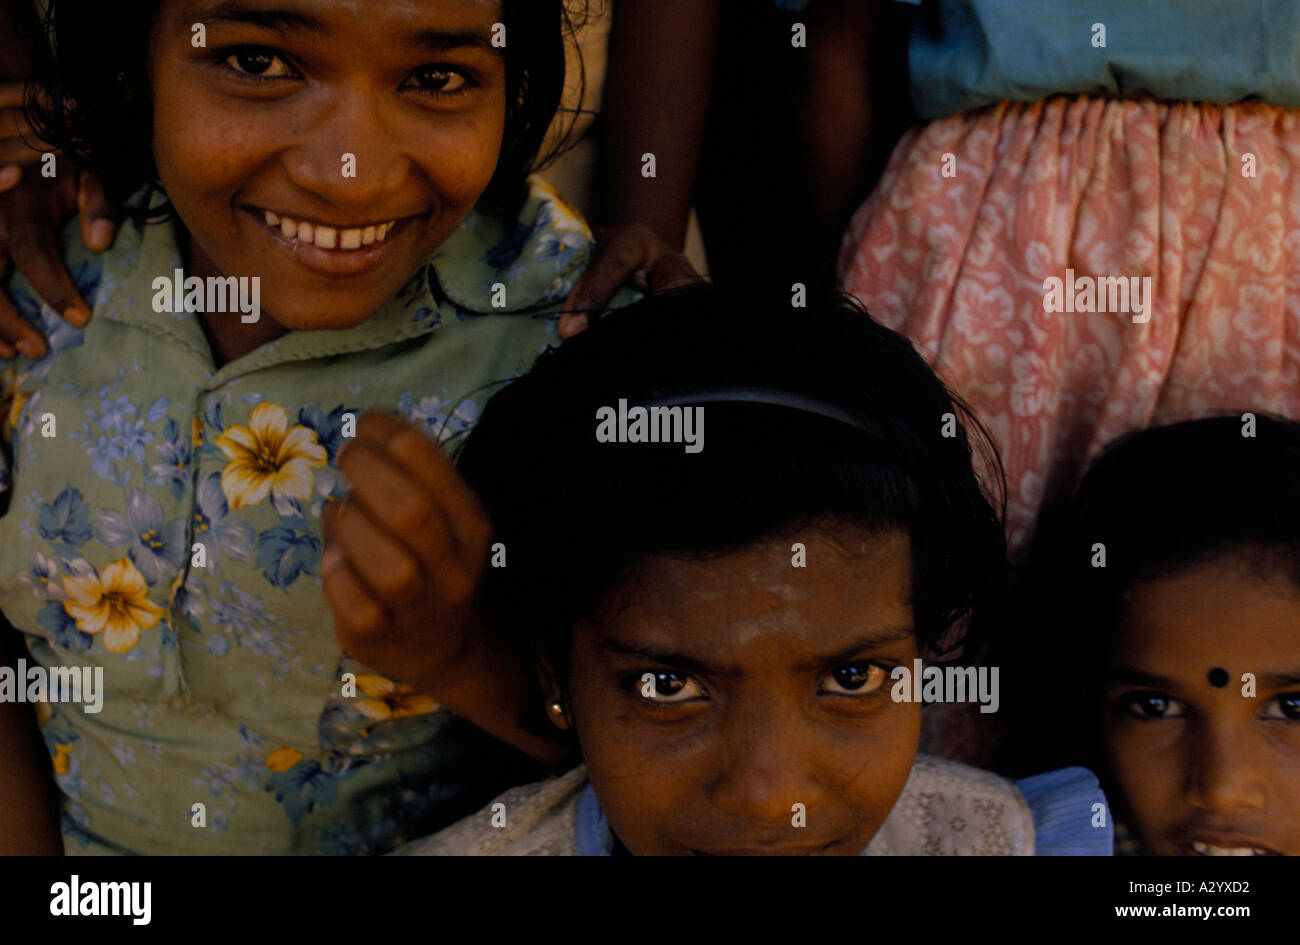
(168, 471)
(1187, 696)
(718, 627)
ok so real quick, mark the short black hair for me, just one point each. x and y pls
(91, 97)
(1159, 501)
(576, 516)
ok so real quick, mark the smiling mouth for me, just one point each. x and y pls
(1197, 848)
(1223, 843)
(322, 236)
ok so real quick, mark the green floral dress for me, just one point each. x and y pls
(224, 727)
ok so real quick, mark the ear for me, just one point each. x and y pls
(553, 689)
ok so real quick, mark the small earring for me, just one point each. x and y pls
(557, 708)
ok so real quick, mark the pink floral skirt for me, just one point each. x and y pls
(1195, 207)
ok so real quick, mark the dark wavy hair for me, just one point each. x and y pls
(91, 96)
(577, 516)
(1160, 501)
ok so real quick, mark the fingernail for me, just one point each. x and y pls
(76, 316)
(31, 349)
(331, 560)
(101, 234)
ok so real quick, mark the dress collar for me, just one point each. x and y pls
(488, 266)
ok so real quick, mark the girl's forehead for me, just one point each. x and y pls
(308, 10)
(1218, 615)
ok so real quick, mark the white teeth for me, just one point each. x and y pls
(329, 237)
(1206, 849)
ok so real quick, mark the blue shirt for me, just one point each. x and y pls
(966, 54)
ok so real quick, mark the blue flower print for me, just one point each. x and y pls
(156, 548)
(283, 554)
(301, 788)
(328, 427)
(41, 572)
(559, 247)
(442, 419)
(67, 520)
(210, 526)
(63, 628)
(173, 463)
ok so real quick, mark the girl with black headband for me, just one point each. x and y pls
(728, 631)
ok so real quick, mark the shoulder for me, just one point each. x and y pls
(527, 260)
(952, 809)
(537, 819)
(1071, 816)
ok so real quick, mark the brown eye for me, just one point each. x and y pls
(855, 679)
(259, 62)
(1152, 705)
(665, 687)
(439, 79)
(1288, 707)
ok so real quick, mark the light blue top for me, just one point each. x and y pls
(1062, 802)
(965, 54)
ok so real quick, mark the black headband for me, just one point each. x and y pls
(775, 397)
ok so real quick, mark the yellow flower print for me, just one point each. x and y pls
(116, 604)
(62, 759)
(390, 699)
(268, 457)
(10, 381)
(283, 758)
(196, 432)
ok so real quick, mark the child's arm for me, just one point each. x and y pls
(656, 101)
(28, 810)
(404, 558)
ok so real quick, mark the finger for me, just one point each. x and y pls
(410, 515)
(421, 459)
(99, 218)
(357, 616)
(378, 560)
(10, 324)
(17, 333)
(613, 261)
(35, 256)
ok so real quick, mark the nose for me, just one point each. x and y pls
(1222, 774)
(769, 766)
(351, 153)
